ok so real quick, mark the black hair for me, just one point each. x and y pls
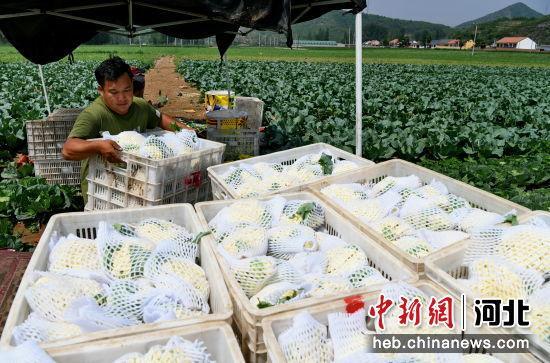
(111, 69)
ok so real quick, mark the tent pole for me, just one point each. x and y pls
(44, 89)
(358, 82)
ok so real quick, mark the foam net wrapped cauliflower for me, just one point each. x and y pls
(130, 141)
(73, 253)
(156, 148)
(248, 180)
(176, 350)
(408, 213)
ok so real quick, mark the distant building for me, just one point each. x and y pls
(545, 48)
(414, 44)
(516, 43)
(445, 43)
(394, 43)
(453, 43)
(372, 43)
(315, 43)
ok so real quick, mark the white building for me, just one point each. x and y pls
(516, 43)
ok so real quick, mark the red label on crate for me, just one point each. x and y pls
(354, 303)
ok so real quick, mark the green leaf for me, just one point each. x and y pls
(326, 164)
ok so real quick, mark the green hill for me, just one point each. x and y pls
(514, 11)
(536, 29)
(336, 25)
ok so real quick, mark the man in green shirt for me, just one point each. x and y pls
(115, 110)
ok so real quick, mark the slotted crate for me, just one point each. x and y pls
(58, 171)
(218, 339)
(221, 190)
(142, 181)
(274, 326)
(84, 225)
(446, 268)
(248, 317)
(45, 138)
(400, 168)
(239, 143)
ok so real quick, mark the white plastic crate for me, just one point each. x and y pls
(399, 168)
(249, 317)
(58, 171)
(239, 142)
(217, 337)
(146, 182)
(274, 326)
(446, 268)
(221, 190)
(45, 138)
(84, 225)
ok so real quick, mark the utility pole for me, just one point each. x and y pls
(475, 39)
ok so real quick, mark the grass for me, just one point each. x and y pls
(347, 55)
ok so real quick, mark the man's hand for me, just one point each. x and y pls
(109, 150)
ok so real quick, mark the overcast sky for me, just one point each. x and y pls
(448, 12)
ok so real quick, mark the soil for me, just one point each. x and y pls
(184, 100)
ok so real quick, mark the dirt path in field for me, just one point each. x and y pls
(183, 99)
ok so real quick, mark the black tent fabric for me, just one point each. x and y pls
(46, 31)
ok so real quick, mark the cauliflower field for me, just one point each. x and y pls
(489, 126)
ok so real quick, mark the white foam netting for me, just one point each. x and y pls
(278, 293)
(39, 330)
(539, 316)
(247, 212)
(305, 212)
(494, 277)
(395, 184)
(161, 266)
(120, 305)
(252, 274)
(245, 241)
(344, 193)
(129, 141)
(174, 299)
(348, 333)
(370, 210)
(466, 219)
(28, 352)
(51, 294)
(290, 239)
(306, 341)
(182, 142)
(525, 245)
(175, 350)
(74, 253)
(344, 260)
(257, 179)
(122, 257)
(136, 273)
(156, 148)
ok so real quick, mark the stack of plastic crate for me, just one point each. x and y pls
(242, 139)
(142, 181)
(45, 140)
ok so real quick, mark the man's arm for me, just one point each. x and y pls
(79, 149)
(166, 123)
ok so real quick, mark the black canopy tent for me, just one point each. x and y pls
(46, 31)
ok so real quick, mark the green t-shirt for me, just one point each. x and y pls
(98, 118)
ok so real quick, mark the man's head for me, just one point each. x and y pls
(114, 80)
